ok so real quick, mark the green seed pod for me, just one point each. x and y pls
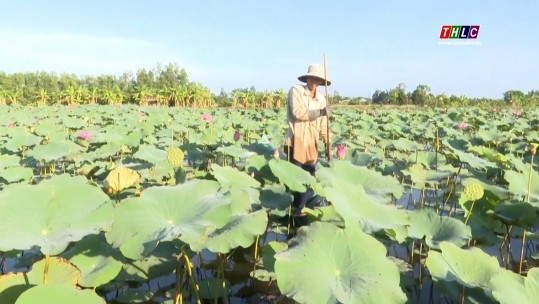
(474, 191)
(175, 156)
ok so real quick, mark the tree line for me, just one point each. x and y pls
(169, 85)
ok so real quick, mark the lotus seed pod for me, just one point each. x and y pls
(474, 191)
(175, 156)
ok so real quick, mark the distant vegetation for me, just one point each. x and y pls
(170, 85)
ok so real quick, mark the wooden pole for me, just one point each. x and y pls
(328, 144)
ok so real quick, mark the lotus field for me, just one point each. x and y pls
(129, 204)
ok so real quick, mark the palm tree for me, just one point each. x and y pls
(279, 96)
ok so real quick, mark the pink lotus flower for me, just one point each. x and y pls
(341, 152)
(237, 135)
(493, 110)
(85, 134)
(462, 125)
(372, 113)
(10, 125)
(231, 109)
(207, 117)
(443, 110)
(517, 113)
(276, 153)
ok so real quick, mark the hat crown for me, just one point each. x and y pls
(316, 69)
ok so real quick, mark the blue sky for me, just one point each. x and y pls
(232, 44)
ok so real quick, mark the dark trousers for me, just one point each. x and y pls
(301, 199)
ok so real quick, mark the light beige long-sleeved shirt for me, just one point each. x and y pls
(304, 128)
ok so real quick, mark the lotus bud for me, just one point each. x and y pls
(533, 149)
(276, 153)
(366, 149)
(10, 125)
(237, 135)
(340, 152)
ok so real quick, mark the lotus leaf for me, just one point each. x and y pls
(135, 296)
(241, 230)
(60, 271)
(344, 190)
(379, 188)
(119, 179)
(421, 176)
(291, 175)
(337, 265)
(98, 262)
(268, 254)
(472, 267)
(52, 214)
(188, 211)
(518, 184)
(436, 229)
(150, 154)
(16, 174)
(509, 287)
(232, 177)
(519, 214)
(55, 150)
(53, 293)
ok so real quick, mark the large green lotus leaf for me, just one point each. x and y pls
(55, 150)
(421, 176)
(429, 159)
(26, 139)
(232, 177)
(98, 262)
(379, 188)
(404, 144)
(135, 296)
(60, 271)
(150, 154)
(472, 160)
(9, 161)
(291, 175)
(16, 174)
(243, 199)
(186, 211)
(352, 202)
(53, 293)
(268, 254)
(472, 267)
(341, 265)
(52, 214)
(509, 287)
(160, 262)
(518, 184)
(519, 214)
(436, 229)
(241, 230)
(274, 196)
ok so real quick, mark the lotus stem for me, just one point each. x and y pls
(46, 270)
(469, 213)
(530, 179)
(412, 253)
(191, 278)
(289, 220)
(522, 251)
(178, 298)
(255, 257)
(453, 185)
(422, 201)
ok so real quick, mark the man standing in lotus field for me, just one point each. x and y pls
(307, 122)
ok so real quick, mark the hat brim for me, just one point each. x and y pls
(303, 78)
